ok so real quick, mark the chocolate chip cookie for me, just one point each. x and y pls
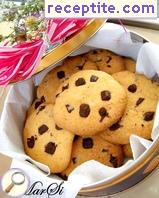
(106, 61)
(94, 148)
(51, 82)
(46, 142)
(138, 118)
(88, 102)
(77, 63)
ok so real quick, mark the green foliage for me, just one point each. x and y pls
(28, 19)
(11, 11)
(32, 6)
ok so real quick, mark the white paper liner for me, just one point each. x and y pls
(20, 96)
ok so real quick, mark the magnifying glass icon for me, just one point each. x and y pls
(18, 178)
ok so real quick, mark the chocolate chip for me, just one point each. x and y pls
(115, 126)
(57, 95)
(65, 87)
(142, 125)
(109, 59)
(104, 150)
(103, 113)
(108, 65)
(113, 160)
(87, 143)
(36, 137)
(43, 99)
(50, 148)
(93, 78)
(75, 138)
(74, 160)
(139, 101)
(37, 104)
(64, 177)
(80, 81)
(148, 116)
(94, 52)
(57, 127)
(42, 129)
(81, 65)
(31, 142)
(40, 109)
(84, 110)
(69, 108)
(105, 95)
(61, 74)
(132, 88)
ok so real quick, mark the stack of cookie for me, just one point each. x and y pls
(86, 109)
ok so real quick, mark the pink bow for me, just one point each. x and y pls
(60, 29)
(20, 61)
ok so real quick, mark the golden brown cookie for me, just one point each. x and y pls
(107, 61)
(46, 142)
(130, 64)
(51, 83)
(77, 63)
(94, 148)
(139, 115)
(88, 102)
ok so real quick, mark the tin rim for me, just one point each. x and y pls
(64, 50)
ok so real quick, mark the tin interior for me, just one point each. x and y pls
(134, 167)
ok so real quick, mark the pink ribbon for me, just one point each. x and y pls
(59, 29)
(20, 61)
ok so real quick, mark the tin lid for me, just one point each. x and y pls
(65, 49)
